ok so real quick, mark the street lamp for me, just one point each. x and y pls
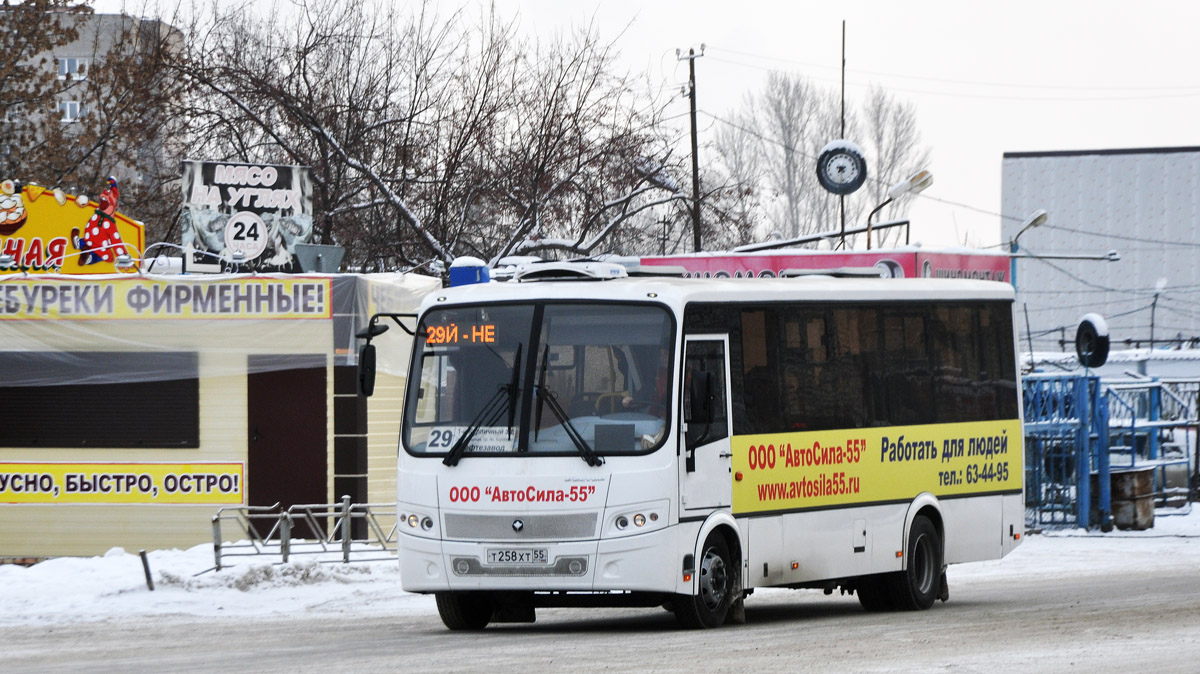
(1036, 219)
(915, 183)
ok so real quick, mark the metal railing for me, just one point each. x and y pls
(1146, 414)
(357, 532)
(1185, 404)
(1066, 425)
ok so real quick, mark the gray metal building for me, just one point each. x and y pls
(1142, 203)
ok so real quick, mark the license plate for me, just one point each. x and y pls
(517, 556)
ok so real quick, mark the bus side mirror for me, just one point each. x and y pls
(366, 369)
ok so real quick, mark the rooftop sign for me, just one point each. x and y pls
(49, 231)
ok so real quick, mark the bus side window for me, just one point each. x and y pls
(760, 385)
(704, 393)
(908, 382)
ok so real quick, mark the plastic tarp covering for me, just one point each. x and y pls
(389, 293)
(58, 330)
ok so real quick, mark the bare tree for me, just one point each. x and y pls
(29, 85)
(432, 137)
(740, 160)
(72, 122)
(894, 150)
(788, 107)
(787, 124)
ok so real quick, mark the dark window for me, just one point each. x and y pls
(854, 361)
(954, 338)
(704, 374)
(99, 399)
(805, 367)
(760, 381)
(908, 376)
(998, 359)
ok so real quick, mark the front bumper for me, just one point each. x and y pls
(647, 562)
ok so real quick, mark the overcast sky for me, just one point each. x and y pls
(986, 78)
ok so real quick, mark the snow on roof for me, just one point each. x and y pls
(842, 144)
(467, 261)
(1122, 356)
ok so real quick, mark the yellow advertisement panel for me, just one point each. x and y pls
(142, 483)
(43, 230)
(795, 471)
(140, 298)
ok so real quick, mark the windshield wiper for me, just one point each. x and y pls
(537, 421)
(490, 414)
(545, 395)
(513, 389)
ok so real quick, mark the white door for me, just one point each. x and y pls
(706, 460)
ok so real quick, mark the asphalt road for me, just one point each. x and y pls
(1106, 620)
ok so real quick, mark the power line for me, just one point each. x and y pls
(975, 83)
(919, 195)
(1073, 276)
(1062, 292)
(1119, 237)
(990, 97)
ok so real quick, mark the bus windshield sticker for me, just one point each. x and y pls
(487, 439)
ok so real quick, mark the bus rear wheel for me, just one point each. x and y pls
(715, 578)
(465, 610)
(916, 587)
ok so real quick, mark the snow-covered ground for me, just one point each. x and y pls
(72, 590)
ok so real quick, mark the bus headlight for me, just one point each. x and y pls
(416, 523)
(637, 518)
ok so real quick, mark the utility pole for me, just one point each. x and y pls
(691, 58)
(1153, 307)
(1160, 286)
(842, 197)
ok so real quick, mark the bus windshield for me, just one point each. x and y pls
(587, 379)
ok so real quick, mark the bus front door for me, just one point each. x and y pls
(705, 480)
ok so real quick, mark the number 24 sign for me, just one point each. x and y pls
(246, 232)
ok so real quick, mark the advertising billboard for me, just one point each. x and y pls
(48, 231)
(244, 216)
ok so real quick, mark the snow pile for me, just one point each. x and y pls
(113, 587)
(71, 589)
(261, 576)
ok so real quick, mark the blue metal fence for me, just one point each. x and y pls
(1066, 440)
(1144, 413)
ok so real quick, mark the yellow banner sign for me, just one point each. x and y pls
(796, 471)
(44, 230)
(139, 298)
(143, 483)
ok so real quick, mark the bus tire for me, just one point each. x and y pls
(916, 587)
(465, 610)
(874, 593)
(716, 586)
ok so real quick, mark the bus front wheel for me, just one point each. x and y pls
(465, 610)
(916, 587)
(715, 583)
